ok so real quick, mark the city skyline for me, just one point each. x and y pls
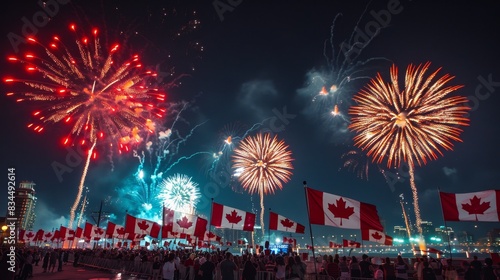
(255, 67)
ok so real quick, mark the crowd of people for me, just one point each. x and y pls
(222, 265)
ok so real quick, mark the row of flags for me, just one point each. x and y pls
(323, 208)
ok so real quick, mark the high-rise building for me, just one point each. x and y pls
(445, 233)
(25, 200)
(400, 232)
(427, 228)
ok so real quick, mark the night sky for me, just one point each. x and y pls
(255, 65)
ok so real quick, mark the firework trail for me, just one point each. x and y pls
(263, 165)
(179, 193)
(406, 218)
(101, 97)
(331, 88)
(409, 125)
(157, 156)
(82, 208)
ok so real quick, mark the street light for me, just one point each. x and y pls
(3, 234)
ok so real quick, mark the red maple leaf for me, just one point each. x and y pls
(184, 223)
(210, 235)
(48, 234)
(475, 206)
(233, 218)
(143, 225)
(71, 232)
(121, 231)
(30, 234)
(340, 210)
(376, 236)
(287, 223)
(98, 231)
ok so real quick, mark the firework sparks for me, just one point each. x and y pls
(100, 97)
(411, 125)
(331, 87)
(356, 161)
(179, 193)
(158, 155)
(263, 163)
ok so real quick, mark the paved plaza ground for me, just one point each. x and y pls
(77, 273)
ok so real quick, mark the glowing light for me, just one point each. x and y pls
(179, 193)
(238, 171)
(323, 91)
(411, 124)
(335, 111)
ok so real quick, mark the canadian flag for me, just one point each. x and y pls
(27, 235)
(289, 240)
(278, 222)
(115, 231)
(241, 242)
(338, 211)
(209, 236)
(92, 232)
(48, 236)
(63, 233)
(135, 226)
(56, 236)
(39, 235)
(188, 224)
(351, 244)
(376, 236)
(165, 233)
(202, 244)
(78, 232)
(476, 206)
(334, 245)
(228, 217)
(71, 234)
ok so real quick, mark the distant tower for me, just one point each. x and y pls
(25, 205)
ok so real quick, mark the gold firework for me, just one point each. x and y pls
(413, 124)
(263, 164)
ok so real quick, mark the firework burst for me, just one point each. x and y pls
(157, 156)
(413, 124)
(357, 162)
(331, 87)
(101, 97)
(263, 165)
(179, 193)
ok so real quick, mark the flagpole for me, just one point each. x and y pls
(310, 230)
(445, 225)
(162, 223)
(269, 228)
(210, 225)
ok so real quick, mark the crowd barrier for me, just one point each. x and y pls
(119, 266)
(145, 269)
